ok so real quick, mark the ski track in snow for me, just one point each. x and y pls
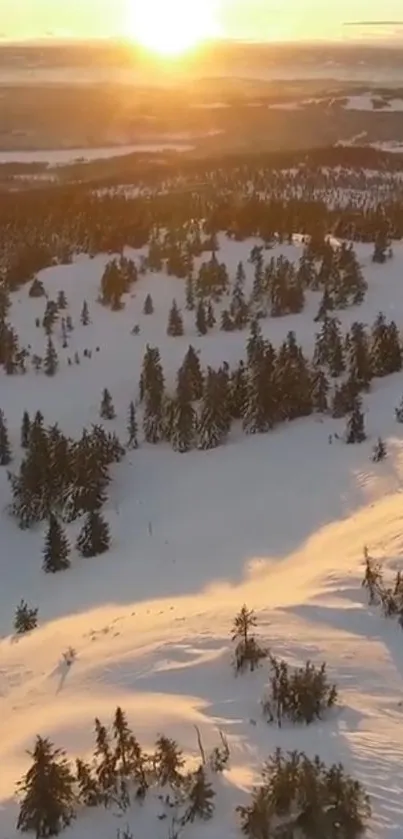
(278, 522)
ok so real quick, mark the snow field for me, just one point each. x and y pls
(277, 521)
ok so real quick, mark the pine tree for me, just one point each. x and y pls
(320, 390)
(175, 322)
(201, 321)
(94, 538)
(227, 324)
(105, 764)
(201, 798)
(25, 430)
(386, 352)
(25, 618)
(399, 412)
(5, 448)
(51, 362)
(210, 318)
(132, 428)
(56, 550)
(148, 307)
(184, 419)
(85, 315)
(190, 295)
(215, 412)
(244, 621)
(61, 300)
(239, 391)
(358, 355)
(88, 788)
(355, 425)
(379, 451)
(380, 247)
(168, 762)
(48, 792)
(191, 374)
(107, 410)
(129, 758)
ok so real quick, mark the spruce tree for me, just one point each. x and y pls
(386, 352)
(51, 362)
(320, 390)
(5, 448)
(85, 315)
(25, 430)
(184, 420)
(25, 618)
(47, 792)
(358, 355)
(148, 307)
(227, 324)
(132, 428)
(61, 300)
(56, 550)
(355, 432)
(94, 538)
(379, 451)
(399, 412)
(239, 391)
(168, 762)
(201, 798)
(210, 317)
(175, 321)
(107, 410)
(215, 412)
(130, 761)
(192, 374)
(105, 764)
(201, 320)
(190, 296)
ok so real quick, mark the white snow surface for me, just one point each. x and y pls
(276, 521)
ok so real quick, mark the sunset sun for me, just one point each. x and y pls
(171, 27)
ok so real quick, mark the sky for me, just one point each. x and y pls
(243, 19)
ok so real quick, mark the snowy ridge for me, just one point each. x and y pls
(277, 521)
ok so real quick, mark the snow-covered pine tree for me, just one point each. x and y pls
(358, 355)
(190, 295)
(184, 420)
(148, 307)
(105, 771)
(379, 451)
(25, 618)
(85, 315)
(192, 374)
(25, 430)
(201, 319)
(175, 321)
(61, 300)
(107, 410)
(201, 798)
(50, 363)
(227, 324)
(130, 761)
(94, 538)
(210, 317)
(47, 791)
(355, 432)
(56, 549)
(320, 390)
(399, 411)
(132, 428)
(5, 448)
(168, 762)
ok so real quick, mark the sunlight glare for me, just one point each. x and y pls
(171, 27)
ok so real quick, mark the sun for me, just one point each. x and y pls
(171, 27)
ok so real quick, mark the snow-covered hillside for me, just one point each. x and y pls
(276, 521)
